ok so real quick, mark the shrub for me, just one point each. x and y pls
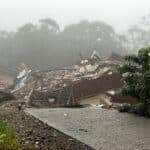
(8, 140)
(136, 76)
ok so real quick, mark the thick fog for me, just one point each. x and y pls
(57, 33)
(119, 13)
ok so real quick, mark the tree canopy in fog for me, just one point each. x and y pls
(44, 44)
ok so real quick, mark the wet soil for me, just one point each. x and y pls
(36, 135)
(100, 128)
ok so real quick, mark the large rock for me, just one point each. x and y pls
(124, 108)
(139, 109)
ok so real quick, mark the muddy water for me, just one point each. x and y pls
(99, 128)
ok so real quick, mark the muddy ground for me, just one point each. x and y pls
(6, 77)
(35, 135)
(100, 128)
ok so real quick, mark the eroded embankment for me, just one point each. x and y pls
(34, 134)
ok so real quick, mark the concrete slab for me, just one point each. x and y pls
(99, 128)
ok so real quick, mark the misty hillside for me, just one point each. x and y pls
(44, 44)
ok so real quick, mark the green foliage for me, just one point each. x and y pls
(8, 140)
(136, 75)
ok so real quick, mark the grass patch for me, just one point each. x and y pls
(8, 139)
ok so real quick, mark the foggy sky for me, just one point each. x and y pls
(119, 13)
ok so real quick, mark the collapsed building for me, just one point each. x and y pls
(69, 85)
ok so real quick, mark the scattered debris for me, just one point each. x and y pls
(111, 92)
(136, 108)
(66, 86)
(95, 55)
(5, 96)
(65, 114)
(106, 101)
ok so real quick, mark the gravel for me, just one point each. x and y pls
(99, 128)
(36, 135)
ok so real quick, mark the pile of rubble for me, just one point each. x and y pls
(66, 86)
(6, 80)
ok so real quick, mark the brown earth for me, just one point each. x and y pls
(6, 77)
